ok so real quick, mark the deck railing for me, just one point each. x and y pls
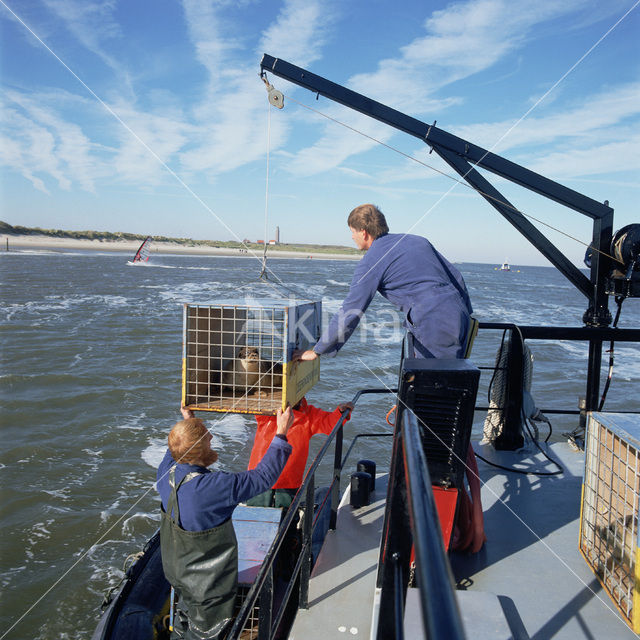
(415, 524)
(436, 587)
(262, 590)
(436, 596)
(511, 436)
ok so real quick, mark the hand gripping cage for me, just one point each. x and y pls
(237, 354)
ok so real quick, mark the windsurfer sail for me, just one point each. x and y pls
(142, 254)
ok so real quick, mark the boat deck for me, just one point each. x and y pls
(528, 582)
(531, 559)
(342, 585)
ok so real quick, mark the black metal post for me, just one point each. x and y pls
(266, 607)
(307, 523)
(598, 314)
(593, 375)
(399, 600)
(335, 487)
(440, 612)
(396, 539)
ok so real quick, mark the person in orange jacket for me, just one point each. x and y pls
(307, 422)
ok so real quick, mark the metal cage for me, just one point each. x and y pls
(609, 515)
(237, 355)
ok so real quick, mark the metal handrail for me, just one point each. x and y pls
(510, 437)
(264, 577)
(440, 611)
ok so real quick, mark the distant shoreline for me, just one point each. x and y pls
(35, 242)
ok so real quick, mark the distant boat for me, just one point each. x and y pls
(142, 254)
(505, 266)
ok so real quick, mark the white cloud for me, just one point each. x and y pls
(223, 125)
(163, 133)
(224, 129)
(212, 41)
(44, 143)
(591, 117)
(459, 41)
(604, 158)
(597, 135)
(91, 23)
(12, 153)
(232, 117)
(299, 32)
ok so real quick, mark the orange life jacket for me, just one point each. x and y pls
(308, 420)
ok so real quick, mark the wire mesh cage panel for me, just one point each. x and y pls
(237, 355)
(609, 516)
(251, 627)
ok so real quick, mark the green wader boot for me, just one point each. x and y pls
(202, 566)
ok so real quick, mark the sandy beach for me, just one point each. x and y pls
(50, 243)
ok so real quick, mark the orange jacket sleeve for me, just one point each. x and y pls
(322, 421)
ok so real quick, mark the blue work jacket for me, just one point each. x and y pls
(209, 500)
(410, 273)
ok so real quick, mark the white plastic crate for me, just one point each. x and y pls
(237, 354)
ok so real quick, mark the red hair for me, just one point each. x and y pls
(188, 445)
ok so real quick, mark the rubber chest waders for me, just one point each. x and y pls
(202, 566)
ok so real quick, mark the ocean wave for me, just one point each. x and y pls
(52, 304)
(330, 305)
(577, 349)
(151, 265)
(140, 522)
(337, 283)
(105, 514)
(7, 576)
(37, 533)
(135, 424)
(27, 252)
(197, 268)
(626, 362)
(230, 428)
(196, 292)
(63, 494)
(159, 265)
(311, 292)
(154, 452)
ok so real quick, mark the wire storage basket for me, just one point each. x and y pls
(237, 355)
(609, 514)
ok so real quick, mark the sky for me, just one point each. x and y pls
(150, 117)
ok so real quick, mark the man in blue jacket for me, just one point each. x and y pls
(408, 271)
(197, 540)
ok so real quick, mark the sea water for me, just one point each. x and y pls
(91, 377)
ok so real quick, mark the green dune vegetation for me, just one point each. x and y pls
(116, 236)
